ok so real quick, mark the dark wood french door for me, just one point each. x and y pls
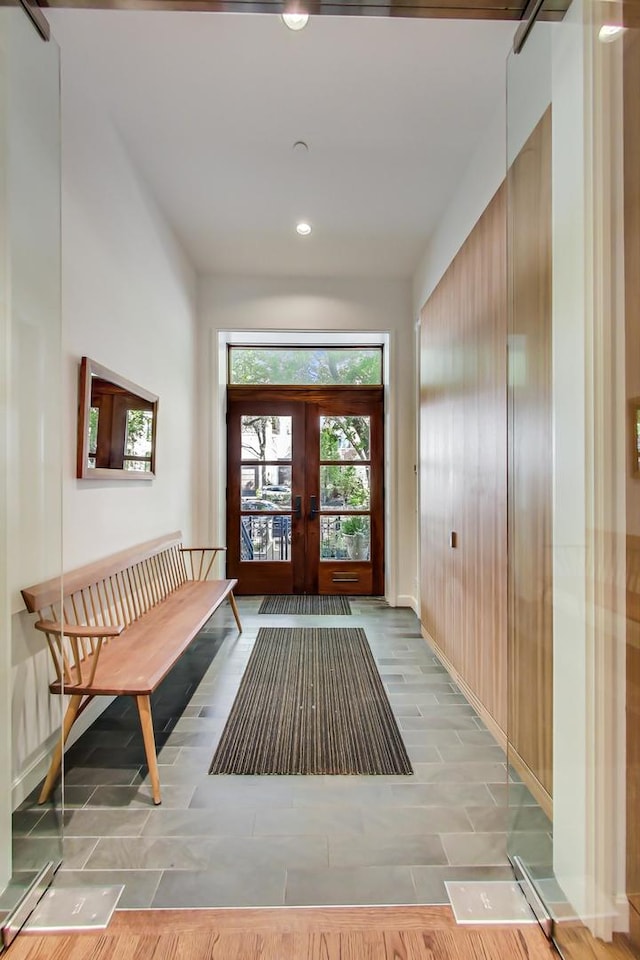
(305, 492)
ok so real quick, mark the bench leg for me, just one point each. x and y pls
(56, 760)
(234, 607)
(146, 722)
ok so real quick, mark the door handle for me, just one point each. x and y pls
(298, 507)
(313, 508)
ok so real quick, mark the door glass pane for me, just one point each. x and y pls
(345, 438)
(572, 490)
(266, 438)
(305, 366)
(266, 487)
(265, 537)
(31, 429)
(345, 488)
(344, 538)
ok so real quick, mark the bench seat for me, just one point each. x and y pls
(154, 643)
(117, 626)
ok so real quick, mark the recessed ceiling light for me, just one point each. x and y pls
(304, 229)
(295, 21)
(610, 32)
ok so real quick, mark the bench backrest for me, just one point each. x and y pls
(113, 592)
(118, 589)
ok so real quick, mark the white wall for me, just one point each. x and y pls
(129, 303)
(485, 172)
(295, 304)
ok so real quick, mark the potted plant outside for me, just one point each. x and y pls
(355, 531)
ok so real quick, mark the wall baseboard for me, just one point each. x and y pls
(515, 760)
(530, 781)
(622, 917)
(404, 600)
(34, 774)
(493, 726)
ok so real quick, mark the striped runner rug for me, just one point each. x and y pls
(311, 701)
(303, 604)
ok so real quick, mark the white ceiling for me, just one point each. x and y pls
(210, 105)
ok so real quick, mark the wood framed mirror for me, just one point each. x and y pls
(117, 423)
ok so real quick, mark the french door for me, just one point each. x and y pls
(305, 498)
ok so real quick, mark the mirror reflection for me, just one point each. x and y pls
(117, 425)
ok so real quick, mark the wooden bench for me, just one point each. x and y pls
(117, 627)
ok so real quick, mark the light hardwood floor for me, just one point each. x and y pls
(390, 933)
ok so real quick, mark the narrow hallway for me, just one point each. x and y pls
(287, 841)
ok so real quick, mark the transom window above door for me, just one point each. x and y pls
(305, 366)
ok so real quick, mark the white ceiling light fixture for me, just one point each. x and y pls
(610, 32)
(295, 20)
(303, 228)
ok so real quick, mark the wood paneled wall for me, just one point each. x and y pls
(632, 352)
(463, 433)
(530, 645)
(465, 589)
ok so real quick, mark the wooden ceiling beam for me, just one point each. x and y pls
(438, 9)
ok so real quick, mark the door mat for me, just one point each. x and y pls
(303, 604)
(311, 701)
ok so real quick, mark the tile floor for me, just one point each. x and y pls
(265, 841)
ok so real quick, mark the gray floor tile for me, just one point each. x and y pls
(468, 753)
(243, 887)
(180, 774)
(305, 853)
(214, 791)
(81, 776)
(413, 699)
(24, 821)
(476, 849)
(428, 685)
(513, 795)
(140, 796)
(423, 755)
(534, 847)
(332, 821)
(431, 737)
(197, 725)
(31, 853)
(131, 756)
(139, 885)
(237, 821)
(350, 886)
(104, 823)
(442, 794)
(374, 851)
(387, 822)
(461, 772)
(349, 792)
(152, 853)
(437, 723)
(406, 710)
(477, 738)
(184, 738)
(518, 819)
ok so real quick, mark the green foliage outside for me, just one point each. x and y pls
(139, 429)
(300, 366)
(345, 439)
(93, 429)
